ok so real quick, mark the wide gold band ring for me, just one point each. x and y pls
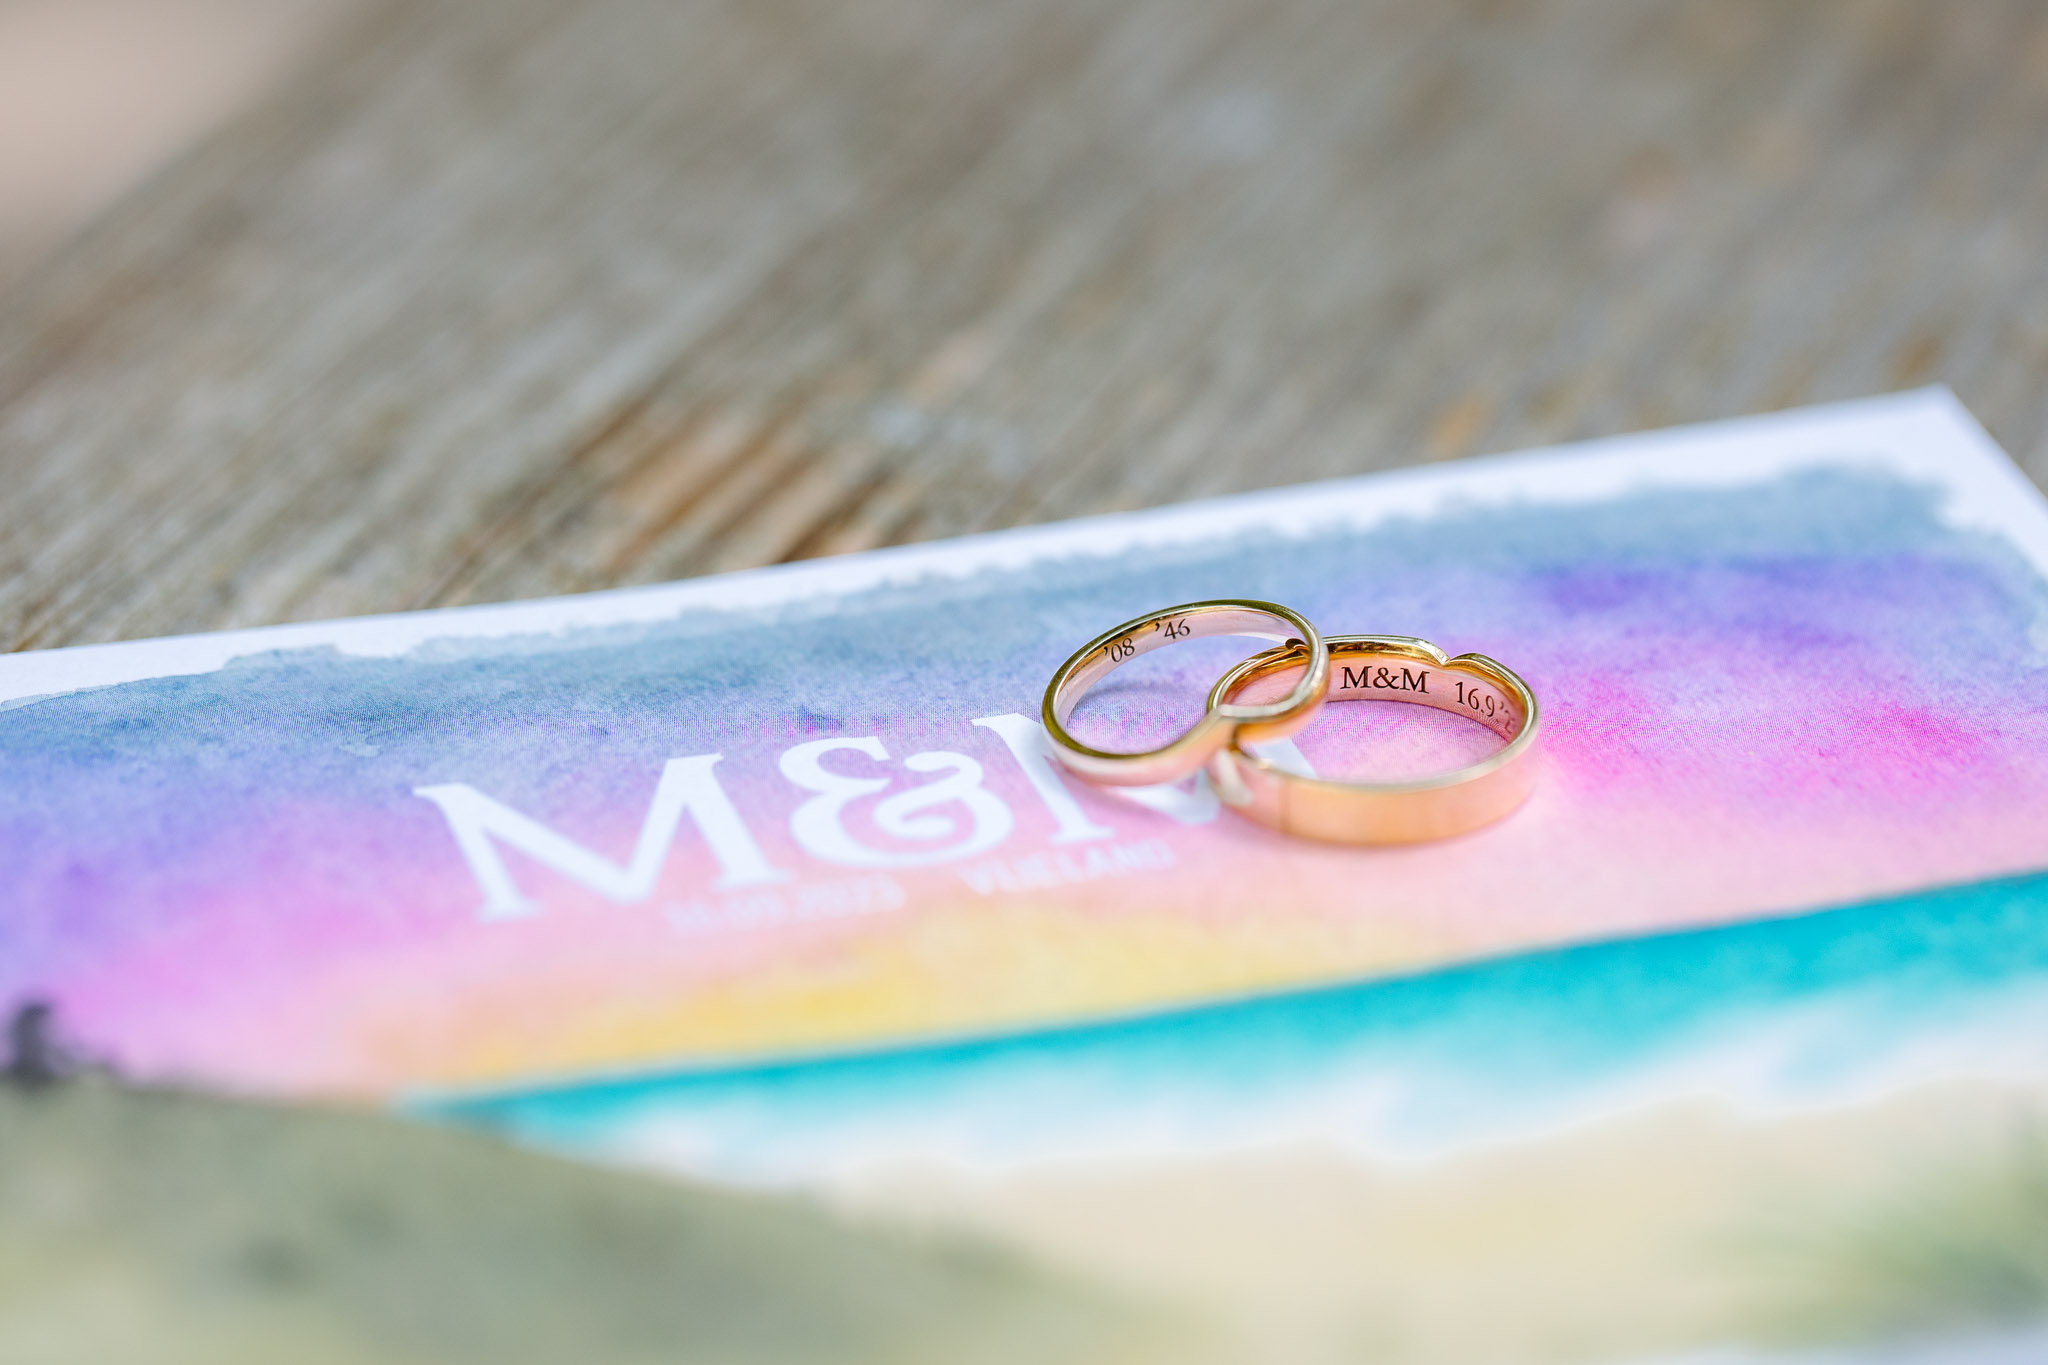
(1220, 723)
(1387, 668)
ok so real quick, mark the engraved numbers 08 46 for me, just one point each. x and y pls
(1125, 647)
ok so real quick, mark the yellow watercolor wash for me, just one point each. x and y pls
(987, 967)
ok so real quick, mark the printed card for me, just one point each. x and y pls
(1787, 664)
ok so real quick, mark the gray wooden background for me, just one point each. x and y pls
(502, 298)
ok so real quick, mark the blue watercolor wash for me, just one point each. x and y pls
(1458, 1052)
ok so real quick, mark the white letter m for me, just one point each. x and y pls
(687, 784)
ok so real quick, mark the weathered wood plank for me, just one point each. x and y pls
(519, 298)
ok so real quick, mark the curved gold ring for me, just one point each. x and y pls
(1387, 668)
(1219, 723)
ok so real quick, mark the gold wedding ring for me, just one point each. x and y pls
(1385, 668)
(1223, 721)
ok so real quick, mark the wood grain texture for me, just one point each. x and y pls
(508, 298)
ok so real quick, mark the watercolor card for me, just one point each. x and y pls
(767, 880)
(1787, 664)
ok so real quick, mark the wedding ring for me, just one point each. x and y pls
(1386, 668)
(1223, 719)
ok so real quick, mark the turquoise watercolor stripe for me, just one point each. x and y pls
(1537, 1026)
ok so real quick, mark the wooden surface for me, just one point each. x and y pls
(506, 298)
